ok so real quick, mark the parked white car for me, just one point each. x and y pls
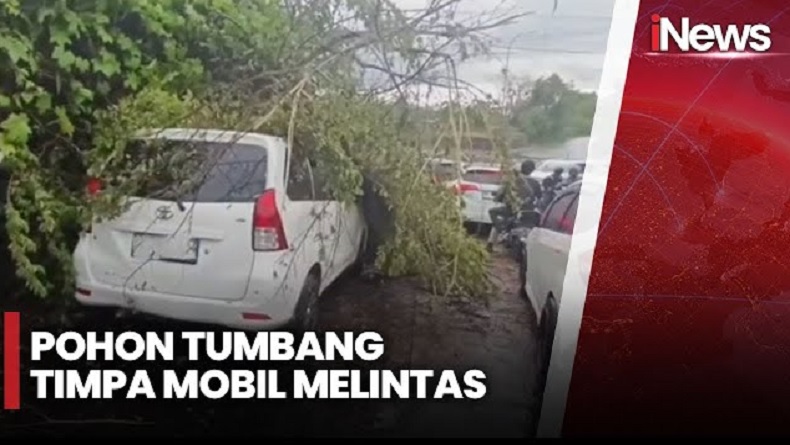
(253, 247)
(477, 188)
(544, 262)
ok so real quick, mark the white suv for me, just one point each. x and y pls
(251, 247)
(478, 187)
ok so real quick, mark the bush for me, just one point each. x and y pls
(81, 77)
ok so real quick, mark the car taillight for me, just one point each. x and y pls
(461, 189)
(566, 225)
(268, 233)
(94, 186)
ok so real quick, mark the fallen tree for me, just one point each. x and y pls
(84, 77)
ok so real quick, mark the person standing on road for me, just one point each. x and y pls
(380, 222)
(527, 193)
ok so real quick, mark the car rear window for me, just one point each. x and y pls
(207, 172)
(490, 177)
(445, 172)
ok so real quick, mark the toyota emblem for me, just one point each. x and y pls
(164, 213)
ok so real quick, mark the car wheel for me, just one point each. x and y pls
(356, 268)
(545, 340)
(306, 313)
(522, 270)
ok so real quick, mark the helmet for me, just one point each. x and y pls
(527, 167)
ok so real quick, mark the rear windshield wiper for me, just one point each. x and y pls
(173, 192)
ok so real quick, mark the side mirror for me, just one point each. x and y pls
(530, 218)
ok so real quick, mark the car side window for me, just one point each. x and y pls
(300, 182)
(322, 190)
(553, 219)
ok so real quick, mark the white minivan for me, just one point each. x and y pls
(251, 246)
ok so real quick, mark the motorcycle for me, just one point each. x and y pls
(514, 231)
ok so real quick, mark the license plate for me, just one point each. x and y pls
(165, 248)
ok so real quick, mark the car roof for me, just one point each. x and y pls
(489, 167)
(576, 187)
(561, 162)
(210, 135)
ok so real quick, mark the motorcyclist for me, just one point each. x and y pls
(548, 192)
(556, 177)
(527, 193)
(573, 176)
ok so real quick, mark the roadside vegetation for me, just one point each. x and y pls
(344, 81)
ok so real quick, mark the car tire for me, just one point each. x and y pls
(356, 268)
(522, 275)
(522, 271)
(306, 312)
(545, 341)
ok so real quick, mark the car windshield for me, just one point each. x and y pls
(207, 172)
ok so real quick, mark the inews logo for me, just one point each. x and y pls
(707, 39)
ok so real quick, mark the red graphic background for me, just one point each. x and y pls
(686, 327)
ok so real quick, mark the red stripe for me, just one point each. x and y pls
(11, 360)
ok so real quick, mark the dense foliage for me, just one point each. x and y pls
(80, 77)
(62, 62)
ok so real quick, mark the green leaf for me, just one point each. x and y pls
(108, 64)
(16, 48)
(64, 57)
(59, 36)
(83, 95)
(16, 129)
(12, 7)
(27, 97)
(81, 64)
(43, 102)
(66, 127)
(132, 81)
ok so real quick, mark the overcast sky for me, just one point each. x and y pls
(570, 42)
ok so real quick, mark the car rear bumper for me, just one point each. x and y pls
(178, 308)
(268, 306)
(476, 211)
